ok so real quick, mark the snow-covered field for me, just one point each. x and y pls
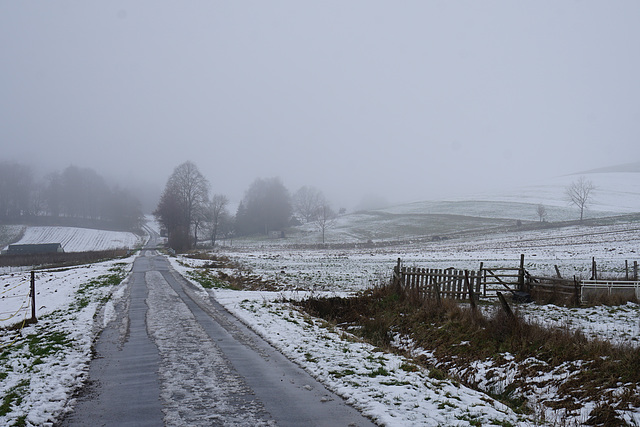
(75, 239)
(43, 364)
(388, 388)
(346, 270)
(615, 192)
(378, 383)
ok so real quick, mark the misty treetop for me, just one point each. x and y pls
(186, 210)
(74, 194)
(306, 203)
(266, 207)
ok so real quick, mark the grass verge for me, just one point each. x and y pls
(579, 370)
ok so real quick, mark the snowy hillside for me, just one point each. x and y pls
(615, 193)
(81, 239)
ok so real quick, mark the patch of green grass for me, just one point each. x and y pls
(409, 367)
(471, 419)
(13, 397)
(47, 343)
(437, 374)
(381, 371)
(501, 423)
(340, 374)
(83, 297)
(208, 280)
(395, 383)
(444, 405)
(21, 421)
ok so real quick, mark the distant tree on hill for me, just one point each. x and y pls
(579, 193)
(324, 219)
(182, 205)
(217, 217)
(83, 193)
(306, 202)
(542, 212)
(75, 194)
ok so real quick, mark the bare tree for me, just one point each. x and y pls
(324, 219)
(306, 202)
(579, 193)
(542, 212)
(217, 216)
(182, 205)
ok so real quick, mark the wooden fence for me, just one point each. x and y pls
(488, 282)
(431, 283)
(555, 289)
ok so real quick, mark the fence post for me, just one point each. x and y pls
(472, 298)
(521, 274)
(635, 270)
(482, 280)
(576, 286)
(626, 270)
(558, 275)
(397, 277)
(594, 269)
(33, 297)
(505, 305)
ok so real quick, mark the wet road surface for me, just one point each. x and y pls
(174, 356)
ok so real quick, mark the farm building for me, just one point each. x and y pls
(40, 248)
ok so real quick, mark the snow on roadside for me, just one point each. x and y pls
(55, 288)
(43, 364)
(385, 387)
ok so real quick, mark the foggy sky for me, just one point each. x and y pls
(408, 100)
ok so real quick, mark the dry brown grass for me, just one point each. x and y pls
(381, 312)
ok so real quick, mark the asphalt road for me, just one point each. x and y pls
(174, 356)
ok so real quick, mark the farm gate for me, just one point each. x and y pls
(488, 282)
(432, 283)
(591, 290)
(451, 283)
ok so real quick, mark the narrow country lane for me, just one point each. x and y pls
(175, 357)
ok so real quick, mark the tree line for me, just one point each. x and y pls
(187, 210)
(75, 193)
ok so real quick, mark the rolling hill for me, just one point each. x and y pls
(617, 193)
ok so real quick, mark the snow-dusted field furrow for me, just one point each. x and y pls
(75, 239)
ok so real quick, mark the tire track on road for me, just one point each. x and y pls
(198, 384)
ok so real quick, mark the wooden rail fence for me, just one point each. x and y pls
(431, 283)
(489, 282)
